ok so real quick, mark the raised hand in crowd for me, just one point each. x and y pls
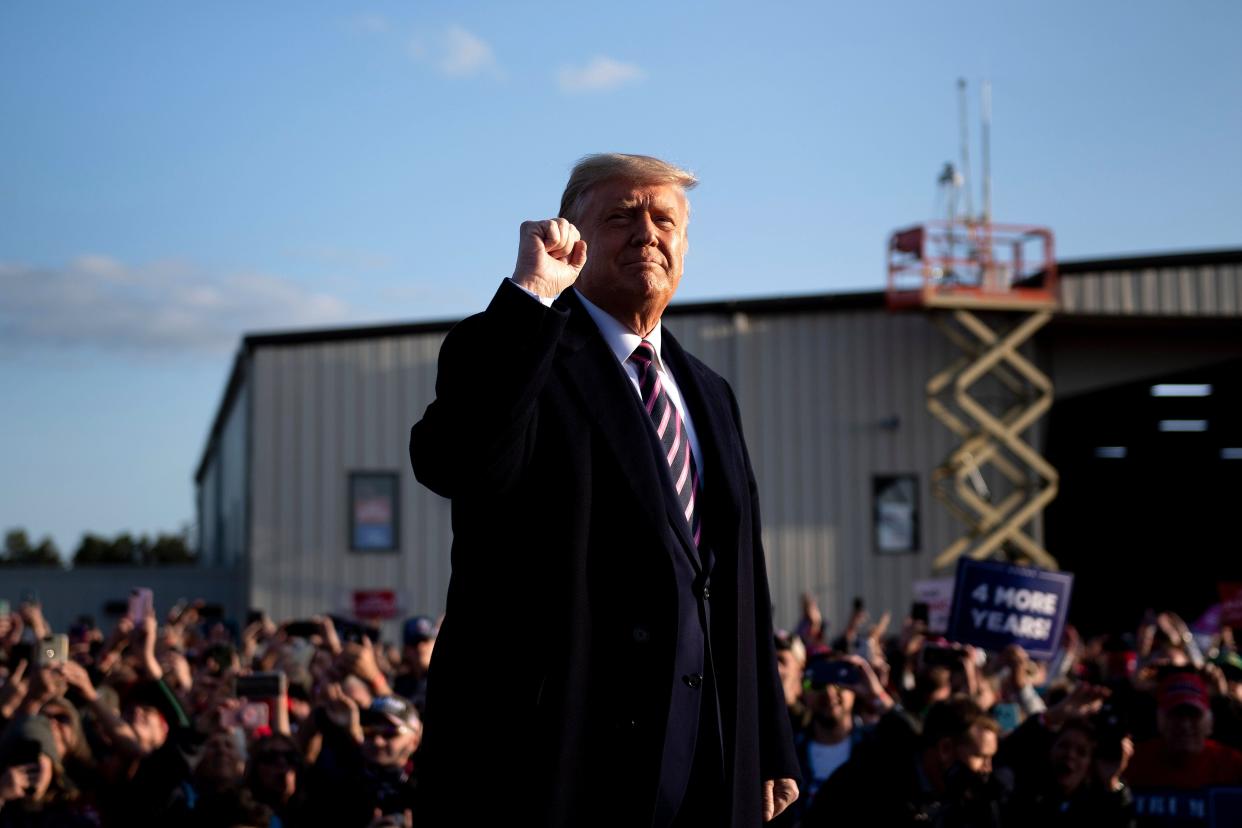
(16, 781)
(811, 624)
(358, 658)
(1110, 771)
(870, 689)
(145, 635)
(10, 629)
(31, 613)
(342, 711)
(13, 692)
(331, 641)
(1083, 703)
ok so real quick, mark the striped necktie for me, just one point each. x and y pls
(671, 432)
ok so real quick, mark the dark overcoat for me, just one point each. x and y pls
(553, 675)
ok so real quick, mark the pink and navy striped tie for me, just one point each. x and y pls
(672, 433)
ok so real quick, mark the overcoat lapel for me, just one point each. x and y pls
(607, 397)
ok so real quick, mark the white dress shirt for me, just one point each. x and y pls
(622, 342)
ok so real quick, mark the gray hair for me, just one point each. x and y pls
(641, 169)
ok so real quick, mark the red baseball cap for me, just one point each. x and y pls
(1183, 689)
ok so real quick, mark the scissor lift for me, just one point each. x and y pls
(989, 288)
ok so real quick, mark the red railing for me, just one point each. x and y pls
(972, 263)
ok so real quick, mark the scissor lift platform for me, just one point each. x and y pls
(989, 288)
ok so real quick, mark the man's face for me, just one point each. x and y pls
(418, 653)
(976, 750)
(391, 744)
(636, 246)
(1184, 729)
(832, 705)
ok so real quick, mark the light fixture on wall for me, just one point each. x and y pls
(1176, 389)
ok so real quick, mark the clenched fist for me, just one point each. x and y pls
(551, 254)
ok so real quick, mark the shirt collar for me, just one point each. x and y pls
(621, 340)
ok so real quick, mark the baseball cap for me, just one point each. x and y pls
(418, 629)
(386, 710)
(1183, 690)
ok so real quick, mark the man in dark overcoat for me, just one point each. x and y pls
(606, 655)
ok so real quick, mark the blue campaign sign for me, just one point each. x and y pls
(997, 604)
(1225, 807)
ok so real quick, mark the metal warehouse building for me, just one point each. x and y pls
(305, 486)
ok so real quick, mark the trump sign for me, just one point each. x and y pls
(997, 604)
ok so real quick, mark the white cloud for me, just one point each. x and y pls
(465, 53)
(168, 306)
(454, 52)
(600, 75)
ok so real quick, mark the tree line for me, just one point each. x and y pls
(97, 550)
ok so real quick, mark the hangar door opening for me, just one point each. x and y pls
(1150, 508)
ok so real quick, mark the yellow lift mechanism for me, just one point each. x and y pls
(989, 296)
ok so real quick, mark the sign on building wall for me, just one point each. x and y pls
(373, 512)
(895, 512)
(375, 604)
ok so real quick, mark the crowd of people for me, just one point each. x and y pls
(193, 723)
(190, 722)
(1139, 728)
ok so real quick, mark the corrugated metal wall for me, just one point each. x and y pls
(819, 394)
(814, 389)
(320, 412)
(1185, 290)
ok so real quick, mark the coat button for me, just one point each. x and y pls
(693, 681)
(707, 592)
(641, 635)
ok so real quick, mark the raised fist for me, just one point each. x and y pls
(551, 254)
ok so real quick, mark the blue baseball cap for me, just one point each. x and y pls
(418, 629)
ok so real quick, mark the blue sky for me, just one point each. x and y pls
(176, 174)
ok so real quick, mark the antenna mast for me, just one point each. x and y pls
(986, 93)
(961, 107)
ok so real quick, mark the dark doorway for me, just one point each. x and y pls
(1148, 515)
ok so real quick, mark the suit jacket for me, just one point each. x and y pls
(557, 672)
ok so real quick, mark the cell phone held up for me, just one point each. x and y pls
(54, 649)
(303, 629)
(257, 686)
(141, 605)
(822, 672)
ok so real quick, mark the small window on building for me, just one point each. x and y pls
(895, 512)
(374, 509)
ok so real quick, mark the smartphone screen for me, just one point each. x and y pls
(260, 685)
(141, 604)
